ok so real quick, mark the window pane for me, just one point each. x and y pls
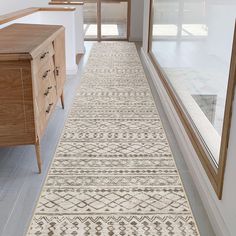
(114, 19)
(192, 42)
(90, 20)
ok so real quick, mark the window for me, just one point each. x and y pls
(106, 20)
(114, 19)
(191, 47)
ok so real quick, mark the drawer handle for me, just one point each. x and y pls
(46, 74)
(49, 107)
(47, 91)
(44, 55)
(57, 71)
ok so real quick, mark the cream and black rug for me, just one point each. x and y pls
(113, 173)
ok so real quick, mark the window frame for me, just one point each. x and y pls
(99, 20)
(215, 175)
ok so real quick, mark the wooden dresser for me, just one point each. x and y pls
(32, 76)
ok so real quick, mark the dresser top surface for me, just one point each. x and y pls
(25, 38)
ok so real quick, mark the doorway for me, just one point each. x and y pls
(106, 20)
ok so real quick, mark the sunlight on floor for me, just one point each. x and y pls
(187, 30)
(112, 30)
(90, 30)
(195, 29)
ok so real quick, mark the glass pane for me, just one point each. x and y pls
(192, 42)
(90, 20)
(114, 20)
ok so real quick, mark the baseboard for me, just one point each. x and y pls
(79, 57)
(206, 192)
(72, 70)
(135, 39)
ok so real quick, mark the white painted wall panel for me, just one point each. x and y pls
(7, 6)
(136, 31)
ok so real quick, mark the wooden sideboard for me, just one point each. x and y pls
(32, 76)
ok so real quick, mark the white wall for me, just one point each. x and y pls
(7, 6)
(222, 214)
(136, 21)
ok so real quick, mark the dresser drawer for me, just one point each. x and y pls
(49, 108)
(45, 106)
(46, 95)
(45, 71)
(46, 75)
(44, 56)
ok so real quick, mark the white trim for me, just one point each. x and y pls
(198, 174)
(72, 70)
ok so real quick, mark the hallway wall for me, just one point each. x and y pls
(221, 213)
(136, 31)
(14, 5)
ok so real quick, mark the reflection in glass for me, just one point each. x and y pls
(114, 19)
(90, 20)
(192, 42)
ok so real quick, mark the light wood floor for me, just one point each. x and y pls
(20, 185)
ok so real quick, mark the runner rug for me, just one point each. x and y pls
(113, 172)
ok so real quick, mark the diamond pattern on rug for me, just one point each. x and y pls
(114, 225)
(121, 163)
(113, 173)
(113, 149)
(135, 200)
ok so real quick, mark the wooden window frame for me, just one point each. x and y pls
(99, 23)
(215, 175)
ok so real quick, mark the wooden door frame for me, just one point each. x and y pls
(99, 21)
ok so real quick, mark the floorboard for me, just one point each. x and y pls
(20, 186)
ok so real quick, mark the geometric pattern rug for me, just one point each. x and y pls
(113, 172)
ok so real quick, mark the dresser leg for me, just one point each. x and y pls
(37, 150)
(62, 100)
